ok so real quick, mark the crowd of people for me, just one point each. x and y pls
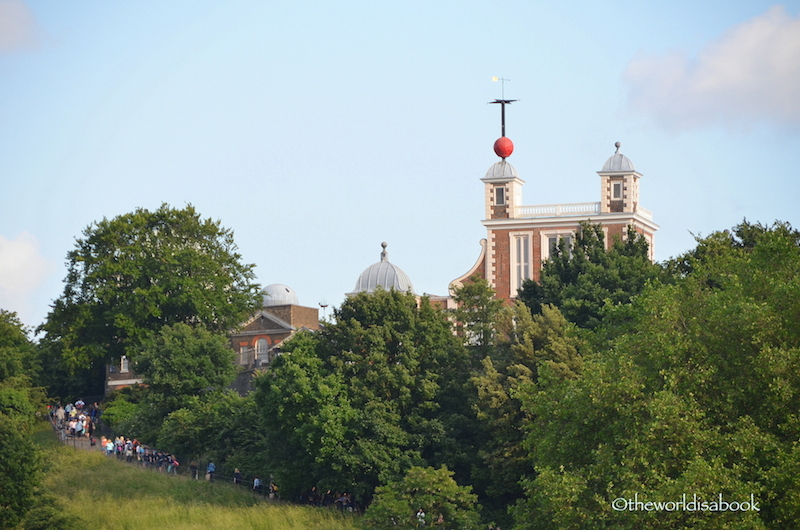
(342, 501)
(78, 420)
(131, 450)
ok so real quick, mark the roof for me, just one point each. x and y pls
(279, 294)
(618, 162)
(502, 169)
(383, 274)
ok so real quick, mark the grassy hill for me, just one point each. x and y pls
(107, 494)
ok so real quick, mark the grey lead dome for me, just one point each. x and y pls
(383, 274)
(618, 162)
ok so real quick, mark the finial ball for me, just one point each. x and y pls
(503, 147)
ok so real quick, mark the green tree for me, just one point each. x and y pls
(477, 314)
(183, 361)
(444, 503)
(20, 461)
(369, 396)
(529, 344)
(180, 366)
(131, 275)
(222, 427)
(17, 353)
(699, 397)
(584, 278)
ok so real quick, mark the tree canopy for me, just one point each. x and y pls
(583, 278)
(368, 397)
(424, 498)
(17, 353)
(699, 397)
(181, 362)
(20, 461)
(131, 275)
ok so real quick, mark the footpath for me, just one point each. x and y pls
(84, 443)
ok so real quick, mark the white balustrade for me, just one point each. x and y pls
(559, 210)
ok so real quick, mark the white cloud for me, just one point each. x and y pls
(23, 271)
(18, 27)
(750, 74)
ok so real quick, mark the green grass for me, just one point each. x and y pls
(107, 494)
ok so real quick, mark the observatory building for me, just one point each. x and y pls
(280, 317)
(520, 238)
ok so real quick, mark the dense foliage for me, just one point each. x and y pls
(181, 367)
(584, 278)
(425, 497)
(182, 362)
(20, 461)
(131, 275)
(699, 398)
(379, 391)
(620, 379)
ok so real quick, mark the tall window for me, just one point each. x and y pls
(124, 365)
(522, 259)
(616, 190)
(551, 242)
(554, 241)
(262, 346)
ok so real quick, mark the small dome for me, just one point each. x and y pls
(618, 162)
(279, 294)
(502, 169)
(383, 274)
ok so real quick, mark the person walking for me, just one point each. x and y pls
(210, 470)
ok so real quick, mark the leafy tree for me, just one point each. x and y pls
(20, 466)
(180, 367)
(118, 412)
(699, 398)
(477, 314)
(183, 361)
(222, 427)
(131, 275)
(584, 278)
(742, 236)
(380, 390)
(444, 503)
(17, 353)
(531, 343)
(20, 461)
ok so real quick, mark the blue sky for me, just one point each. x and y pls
(315, 130)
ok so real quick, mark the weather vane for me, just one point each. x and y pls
(503, 102)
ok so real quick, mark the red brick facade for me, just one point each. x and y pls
(519, 238)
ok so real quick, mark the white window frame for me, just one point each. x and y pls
(520, 263)
(499, 196)
(614, 184)
(124, 365)
(545, 240)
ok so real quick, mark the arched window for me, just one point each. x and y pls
(262, 346)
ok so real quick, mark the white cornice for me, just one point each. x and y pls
(555, 222)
